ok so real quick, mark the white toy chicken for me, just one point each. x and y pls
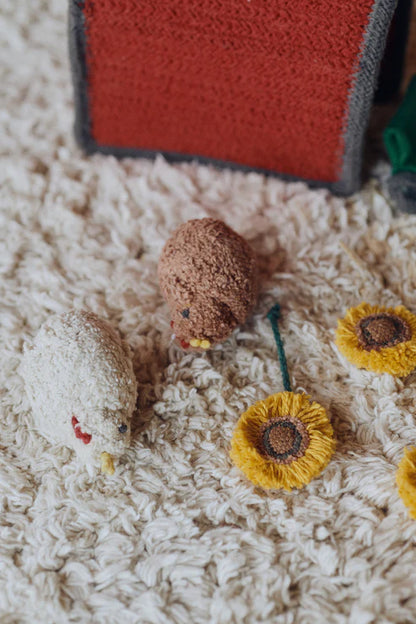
(81, 385)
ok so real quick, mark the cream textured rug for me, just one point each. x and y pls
(178, 535)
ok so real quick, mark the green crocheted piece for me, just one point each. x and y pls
(400, 135)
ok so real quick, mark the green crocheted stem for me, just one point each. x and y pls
(274, 316)
(400, 134)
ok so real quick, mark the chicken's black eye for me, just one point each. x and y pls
(123, 428)
(185, 313)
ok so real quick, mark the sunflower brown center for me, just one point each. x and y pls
(381, 330)
(284, 439)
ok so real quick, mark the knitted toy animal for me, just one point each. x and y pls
(81, 385)
(208, 275)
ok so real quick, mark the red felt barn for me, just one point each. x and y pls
(278, 86)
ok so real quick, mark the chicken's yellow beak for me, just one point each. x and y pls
(107, 464)
(203, 344)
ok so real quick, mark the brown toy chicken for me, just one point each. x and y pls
(208, 275)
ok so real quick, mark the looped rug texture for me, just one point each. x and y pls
(178, 535)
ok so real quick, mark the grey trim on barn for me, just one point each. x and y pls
(362, 94)
(360, 102)
(77, 52)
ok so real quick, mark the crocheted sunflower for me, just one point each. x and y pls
(406, 480)
(283, 441)
(379, 339)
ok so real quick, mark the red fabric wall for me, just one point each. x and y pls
(263, 83)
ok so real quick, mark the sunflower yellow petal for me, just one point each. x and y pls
(267, 473)
(398, 360)
(406, 480)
